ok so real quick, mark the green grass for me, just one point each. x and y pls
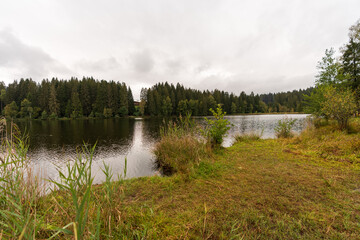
(300, 188)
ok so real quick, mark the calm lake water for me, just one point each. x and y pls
(55, 142)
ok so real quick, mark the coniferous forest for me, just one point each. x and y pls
(88, 97)
(166, 99)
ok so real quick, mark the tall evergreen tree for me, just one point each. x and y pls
(53, 102)
(131, 105)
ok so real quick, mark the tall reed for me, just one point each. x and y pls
(19, 189)
(180, 146)
(76, 179)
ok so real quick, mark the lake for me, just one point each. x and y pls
(54, 142)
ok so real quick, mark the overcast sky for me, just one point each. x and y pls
(261, 46)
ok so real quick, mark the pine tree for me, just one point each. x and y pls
(131, 105)
(76, 104)
(53, 103)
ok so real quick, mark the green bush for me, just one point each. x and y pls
(44, 115)
(53, 116)
(340, 105)
(283, 129)
(217, 128)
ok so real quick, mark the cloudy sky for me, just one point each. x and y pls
(261, 46)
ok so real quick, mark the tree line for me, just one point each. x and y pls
(337, 86)
(164, 99)
(88, 97)
(66, 98)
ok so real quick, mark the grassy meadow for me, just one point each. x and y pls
(304, 187)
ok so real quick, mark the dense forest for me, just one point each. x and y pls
(88, 97)
(66, 98)
(166, 99)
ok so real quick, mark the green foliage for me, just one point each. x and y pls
(314, 102)
(44, 115)
(283, 128)
(233, 108)
(67, 98)
(77, 180)
(217, 128)
(166, 107)
(182, 107)
(340, 105)
(183, 126)
(53, 102)
(108, 113)
(131, 105)
(11, 110)
(78, 98)
(76, 105)
(53, 116)
(351, 58)
(329, 69)
(68, 109)
(333, 98)
(19, 191)
(123, 111)
(26, 109)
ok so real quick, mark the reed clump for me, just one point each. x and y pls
(247, 137)
(180, 147)
(284, 128)
(20, 189)
(69, 206)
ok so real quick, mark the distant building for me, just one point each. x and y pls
(136, 103)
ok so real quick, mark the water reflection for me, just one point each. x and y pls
(55, 142)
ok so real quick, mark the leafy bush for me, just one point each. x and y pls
(283, 129)
(44, 115)
(217, 129)
(339, 105)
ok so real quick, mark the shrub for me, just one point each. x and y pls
(283, 129)
(339, 105)
(108, 113)
(44, 115)
(53, 116)
(217, 129)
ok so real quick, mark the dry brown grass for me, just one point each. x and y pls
(180, 153)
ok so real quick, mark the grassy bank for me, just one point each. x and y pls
(306, 187)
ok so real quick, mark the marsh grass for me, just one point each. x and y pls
(304, 187)
(76, 179)
(180, 147)
(284, 128)
(330, 143)
(246, 137)
(20, 189)
(71, 208)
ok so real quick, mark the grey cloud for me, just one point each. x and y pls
(201, 68)
(174, 66)
(28, 61)
(105, 64)
(143, 61)
(231, 45)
